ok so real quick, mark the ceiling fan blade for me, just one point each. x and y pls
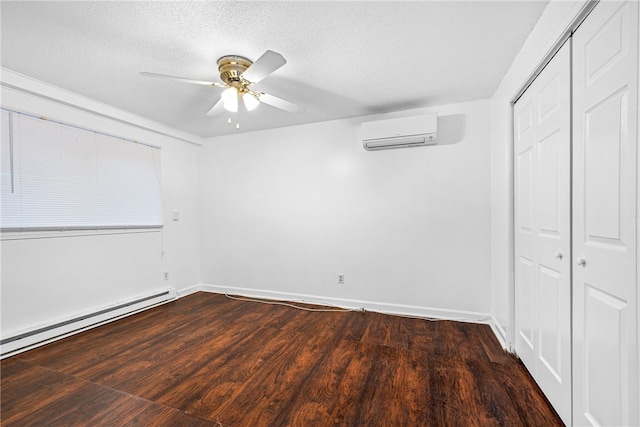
(217, 109)
(263, 66)
(280, 103)
(181, 79)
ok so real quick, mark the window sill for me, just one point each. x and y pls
(60, 233)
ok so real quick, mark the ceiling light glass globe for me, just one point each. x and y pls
(250, 101)
(230, 99)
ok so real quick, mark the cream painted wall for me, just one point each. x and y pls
(284, 211)
(550, 29)
(49, 277)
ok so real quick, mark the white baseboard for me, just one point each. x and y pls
(397, 309)
(188, 291)
(37, 336)
(499, 332)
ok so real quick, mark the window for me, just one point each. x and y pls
(57, 177)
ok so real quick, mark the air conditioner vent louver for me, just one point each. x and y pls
(402, 132)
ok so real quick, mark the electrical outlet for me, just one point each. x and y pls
(165, 275)
(341, 279)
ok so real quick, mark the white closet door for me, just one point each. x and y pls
(542, 228)
(604, 205)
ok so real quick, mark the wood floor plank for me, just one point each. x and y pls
(525, 394)
(344, 409)
(161, 378)
(139, 359)
(384, 386)
(266, 398)
(88, 404)
(226, 377)
(159, 415)
(166, 343)
(206, 360)
(314, 403)
(28, 387)
(106, 342)
(206, 389)
(201, 303)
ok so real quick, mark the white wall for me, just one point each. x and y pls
(551, 27)
(287, 210)
(57, 275)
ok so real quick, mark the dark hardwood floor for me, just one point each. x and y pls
(205, 360)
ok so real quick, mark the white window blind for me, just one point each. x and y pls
(56, 176)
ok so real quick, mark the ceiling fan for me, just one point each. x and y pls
(238, 75)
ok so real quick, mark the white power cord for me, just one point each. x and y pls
(336, 309)
(289, 304)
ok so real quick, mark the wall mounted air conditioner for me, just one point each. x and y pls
(415, 131)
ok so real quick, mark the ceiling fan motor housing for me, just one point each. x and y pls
(231, 68)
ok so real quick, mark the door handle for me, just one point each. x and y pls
(581, 261)
(559, 255)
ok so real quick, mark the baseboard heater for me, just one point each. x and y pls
(43, 335)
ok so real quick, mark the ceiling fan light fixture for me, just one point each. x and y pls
(230, 99)
(250, 101)
(238, 74)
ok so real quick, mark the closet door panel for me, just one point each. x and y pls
(605, 64)
(542, 224)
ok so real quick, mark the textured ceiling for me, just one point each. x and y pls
(345, 59)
